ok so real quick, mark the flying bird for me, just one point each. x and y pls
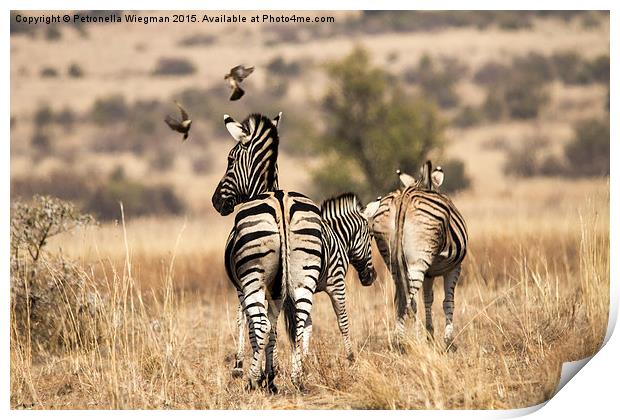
(236, 76)
(183, 125)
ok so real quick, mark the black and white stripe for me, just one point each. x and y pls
(420, 235)
(274, 254)
(346, 239)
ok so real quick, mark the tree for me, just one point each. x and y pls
(372, 129)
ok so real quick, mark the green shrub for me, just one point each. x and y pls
(53, 33)
(373, 126)
(49, 72)
(198, 40)
(41, 141)
(468, 116)
(525, 160)
(43, 116)
(279, 67)
(66, 118)
(75, 71)
(587, 153)
(109, 110)
(174, 67)
(49, 295)
(455, 178)
(437, 80)
(62, 183)
(138, 199)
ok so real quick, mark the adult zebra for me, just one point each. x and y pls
(420, 235)
(274, 252)
(347, 239)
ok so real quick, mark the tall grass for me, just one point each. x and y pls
(532, 295)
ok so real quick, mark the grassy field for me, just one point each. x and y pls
(157, 329)
(534, 293)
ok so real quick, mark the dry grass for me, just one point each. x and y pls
(534, 293)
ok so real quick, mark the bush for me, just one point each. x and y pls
(174, 67)
(66, 118)
(109, 110)
(455, 178)
(202, 164)
(568, 66)
(279, 67)
(198, 40)
(138, 199)
(588, 152)
(162, 160)
(491, 73)
(599, 69)
(525, 160)
(53, 33)
(467, 117)
(43, 116)
(49, 72)
(437, 81)
(41, 141)
(75, 71)
(62, 183)
(373, 126)
(48, 295)
(524, 97)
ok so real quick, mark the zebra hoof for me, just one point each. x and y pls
(251, 385)
(273, 389)
(351, 357)
(237, 372)
(451, 347)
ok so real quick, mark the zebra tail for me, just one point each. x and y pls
(290, 318)
(290, 311)
(397, 262)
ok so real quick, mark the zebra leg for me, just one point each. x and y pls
(260, 328)
(428, 305)
(307, 335)
(415, 277)
(271, 356)
(340, 308)
(237, 371)
(303, 306)
(449, 284)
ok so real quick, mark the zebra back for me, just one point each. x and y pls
(343, 214)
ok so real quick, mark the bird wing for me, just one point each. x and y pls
(237, 94)
(247, 71)
(240, 72)
(184, 115)
(173, 123)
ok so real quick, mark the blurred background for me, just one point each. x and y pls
(513, 105)
(508, 103)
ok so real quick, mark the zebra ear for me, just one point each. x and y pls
(370, 209)
(235, 129)
(437, 177)
(277, 119)
(405, 179)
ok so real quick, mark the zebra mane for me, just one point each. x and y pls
(346, 203)
(249, 125)
(253, 120)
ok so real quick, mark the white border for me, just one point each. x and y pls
(593, 393)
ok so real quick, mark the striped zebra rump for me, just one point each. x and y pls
(420, 235)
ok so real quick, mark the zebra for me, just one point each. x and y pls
(347, 239)
(274, 252)
(420, 234)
